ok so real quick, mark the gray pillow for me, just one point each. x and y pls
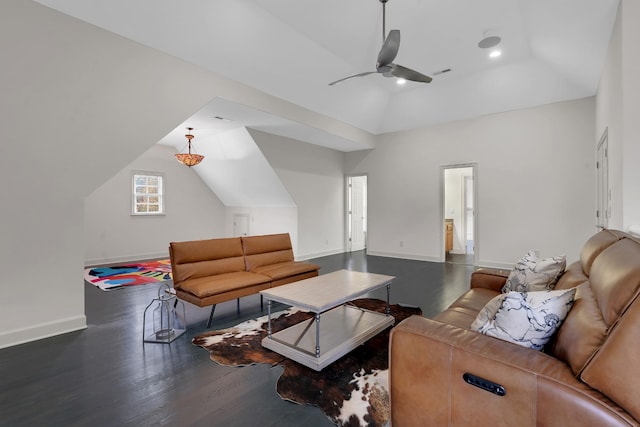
(533, 274)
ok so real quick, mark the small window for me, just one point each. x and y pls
(147, 194)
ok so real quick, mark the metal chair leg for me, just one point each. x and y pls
(213, 309)
(261, 302)
(238, 305)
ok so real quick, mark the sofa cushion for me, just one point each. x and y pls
(285, 269)
(220, 283)
(488, 312)
(615, 278)
(203, 258)
(596, 244)
(615, 368)
(572, 276)
(529, 319)
(532, 274)
(266, 250)
(582, 332)
(465, 309)
(203, 250)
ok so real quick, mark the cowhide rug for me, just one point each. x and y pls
(352, 391)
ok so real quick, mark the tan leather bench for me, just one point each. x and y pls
(207, 272)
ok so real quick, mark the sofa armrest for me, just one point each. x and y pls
(427, 361)
(489, 278)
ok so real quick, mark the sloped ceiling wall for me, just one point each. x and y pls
(235, 169)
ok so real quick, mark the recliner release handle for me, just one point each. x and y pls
(484, 384)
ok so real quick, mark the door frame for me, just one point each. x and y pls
(476, 209)
(347, 216)
(603, 190)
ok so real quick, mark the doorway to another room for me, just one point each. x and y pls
(459, 214)
(356, 213)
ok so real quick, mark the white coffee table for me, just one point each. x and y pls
(315, 343)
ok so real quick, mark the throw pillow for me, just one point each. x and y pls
(533, 274)
(530, 319)
(488, 312)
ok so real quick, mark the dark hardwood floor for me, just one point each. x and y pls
(105, 375)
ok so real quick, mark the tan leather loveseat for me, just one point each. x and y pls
(588, 374)
(207, 272)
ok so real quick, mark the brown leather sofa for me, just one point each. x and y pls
(207, 272)
(588, 374)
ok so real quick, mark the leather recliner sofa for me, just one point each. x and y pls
(587, 375)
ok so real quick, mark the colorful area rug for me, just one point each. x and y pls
(141, 273)
(352, 391)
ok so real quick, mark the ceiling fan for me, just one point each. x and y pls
(387, 54)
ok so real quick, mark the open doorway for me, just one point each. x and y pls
(459, 213)
(356, 213)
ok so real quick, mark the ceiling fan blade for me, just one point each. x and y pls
(389, 49)
(409, 74)
(350, 77)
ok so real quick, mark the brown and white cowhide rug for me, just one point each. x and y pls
(352, 391)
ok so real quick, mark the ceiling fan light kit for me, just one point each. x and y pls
(388, 52)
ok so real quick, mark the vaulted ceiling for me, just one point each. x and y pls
(552, 50)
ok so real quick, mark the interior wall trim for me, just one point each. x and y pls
(126, 258)
(42, 330)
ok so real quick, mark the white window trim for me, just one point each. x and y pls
(161, 193)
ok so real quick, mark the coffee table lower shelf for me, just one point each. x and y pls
(342, 329)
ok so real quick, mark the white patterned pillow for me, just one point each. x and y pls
(533, 274)
(488, 312)
(529, 319)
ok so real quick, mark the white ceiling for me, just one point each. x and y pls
(553, 50)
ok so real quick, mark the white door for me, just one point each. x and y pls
(241, 225)
(357, 212)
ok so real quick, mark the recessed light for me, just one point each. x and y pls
(401, 81)
(489, 42)
(495, 54)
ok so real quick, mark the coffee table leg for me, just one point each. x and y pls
(388, 309)
(269, 317)
(317, 334)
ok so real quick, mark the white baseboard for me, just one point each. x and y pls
(305, 257)
(43, 330)
(125, 258)
(405, 256)
(495, 264)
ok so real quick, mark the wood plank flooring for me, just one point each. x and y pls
(106, 376)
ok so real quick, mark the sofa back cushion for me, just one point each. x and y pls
(572, 276)
(266, 250)
(596, 244)
(613, 284)
(615, 368)
(201, 258)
